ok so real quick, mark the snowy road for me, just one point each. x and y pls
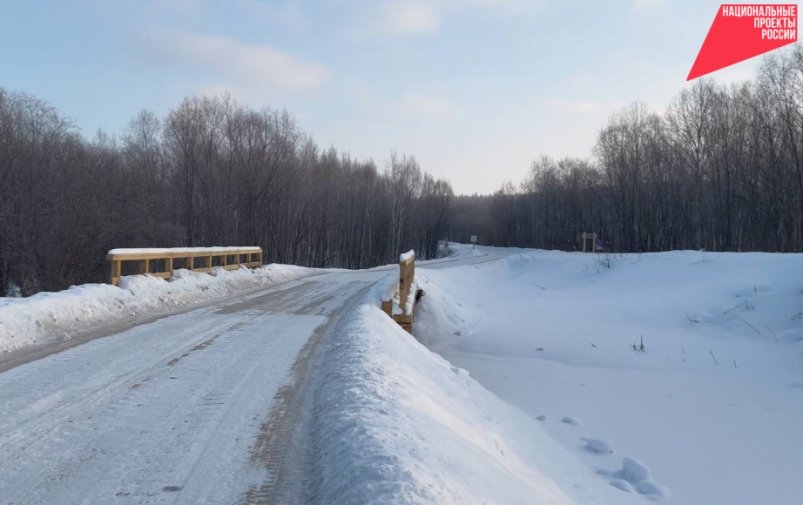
(211, 405)
(199, 407)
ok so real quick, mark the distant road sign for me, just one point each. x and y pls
(473, 239)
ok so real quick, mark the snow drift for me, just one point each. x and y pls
(396, 423)
(49, 316)
(709, 409)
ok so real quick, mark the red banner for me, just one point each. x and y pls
(742, 31)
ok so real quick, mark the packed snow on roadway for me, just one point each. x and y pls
(557, 378)
(47, 317)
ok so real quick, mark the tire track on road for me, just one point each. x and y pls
(283, 447)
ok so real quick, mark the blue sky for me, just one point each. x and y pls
(474, 89)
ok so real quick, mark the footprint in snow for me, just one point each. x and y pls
(460, 371)
(598, 446)
(571, 420)
(635, 477)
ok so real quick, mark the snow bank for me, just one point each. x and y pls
(46, 316)
(712, 402)
(693, 299)
(455, 250)
(183, 250)
(396, 423)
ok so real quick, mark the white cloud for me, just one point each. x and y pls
(255, 69)
(410, 16)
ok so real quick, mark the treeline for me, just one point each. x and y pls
(721, 169)
(212, 172)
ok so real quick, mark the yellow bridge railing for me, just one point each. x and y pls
(162, 262)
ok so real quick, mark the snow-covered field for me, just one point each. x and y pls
(709, 412)
(526, 382)
(46, 317)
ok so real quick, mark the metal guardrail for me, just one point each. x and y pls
(162, 262)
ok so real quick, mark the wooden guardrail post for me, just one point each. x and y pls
(406, 275)
(407, 297)
(148, 259)
(591, 238)
(115, 273)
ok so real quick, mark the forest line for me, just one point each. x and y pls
(721, 169)
(211, 172)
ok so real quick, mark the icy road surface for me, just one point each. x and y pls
(192, 408)
(205, 406)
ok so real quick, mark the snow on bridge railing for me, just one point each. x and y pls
(406, 296)
(161, 262)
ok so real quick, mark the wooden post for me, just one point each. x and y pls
(406, 273)
(589, 236)
(144, 266)
(169, 264)
(404, 288)
(115, 273)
